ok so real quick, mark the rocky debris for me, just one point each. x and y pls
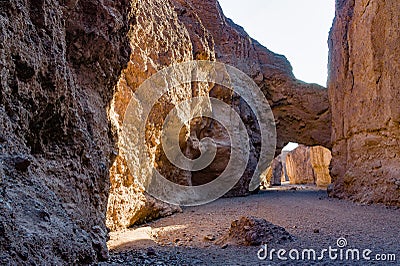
(151, 251)
(309, 165)
(252, 231)
(2, 174)
(209, 237)
(364, 94)
(163, 257)
(21, 163)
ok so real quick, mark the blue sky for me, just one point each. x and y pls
(294, 28)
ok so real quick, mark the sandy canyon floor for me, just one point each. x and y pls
(316, 222)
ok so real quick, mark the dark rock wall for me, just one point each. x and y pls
(59, 63)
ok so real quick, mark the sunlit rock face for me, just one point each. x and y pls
(59, 63)
(299, 167)
(166, 33)
(364, 94)
(309, 165)
(157, 40)
(320, 159)
(274, 174)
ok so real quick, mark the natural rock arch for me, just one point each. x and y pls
(301, 110)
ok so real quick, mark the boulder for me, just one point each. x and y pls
(253, 231)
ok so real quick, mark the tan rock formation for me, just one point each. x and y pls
(299, 167)
(274, 174)
(320, 159)
(157, 40)
(364, 93)
(309, 165)
(283, 155)
(303, 108)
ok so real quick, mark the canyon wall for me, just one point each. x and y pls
(274, 175)
(59, 63)
(320, 158)
(364, 92)
(62, 102)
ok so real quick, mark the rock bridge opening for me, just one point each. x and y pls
(301, 110)
(299, 167)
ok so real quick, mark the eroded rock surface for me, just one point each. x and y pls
(60, 65)
(320, 159)
(274, 174)
(309, 165)
(364, 93)
(169, 32)
(299, 167)
(59, 62)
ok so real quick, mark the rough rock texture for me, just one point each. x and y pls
(59, 62)
(274, 174)
(283, 160)
(157, 40)
(320, 159)
(309, 165)
(364, 92)
(301, 110)
(299, 167)
(252, 231)
(169, 32)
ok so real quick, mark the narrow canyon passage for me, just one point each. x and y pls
(315, 221)
(68, 72)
